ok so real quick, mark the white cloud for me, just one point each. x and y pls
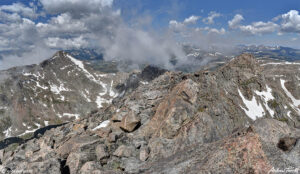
(217, 31)
(142, 47)
(60, 43)
(19, 8)
(96, 24)
(211, 17)
(19, 36)
(254, 28)
(77, 8)
(181, 26)
(82, 24)
(210, 31)
(32, 57)
(291, 22)
(176, 26)
(294, 39)
(62, 24)
(235, 22)
(259, 28)
(10, 17)
(191, 20)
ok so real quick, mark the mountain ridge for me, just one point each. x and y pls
(242, 117)
(54, 84)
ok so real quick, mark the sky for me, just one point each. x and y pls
(141, 30)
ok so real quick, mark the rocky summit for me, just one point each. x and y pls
(242, 117)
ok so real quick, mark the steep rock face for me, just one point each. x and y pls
(205, 122)
(248, 151)
(174, 111)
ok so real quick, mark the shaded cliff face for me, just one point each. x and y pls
(237, 119)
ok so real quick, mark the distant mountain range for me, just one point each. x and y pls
(198, 58)
(276, 52)
(85, 54)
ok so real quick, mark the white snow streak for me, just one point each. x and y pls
(254, 109)
(103, 124)
(295, 101)
(266, 96)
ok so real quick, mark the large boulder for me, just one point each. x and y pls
(130, 122)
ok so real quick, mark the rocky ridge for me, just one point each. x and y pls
(241, 118)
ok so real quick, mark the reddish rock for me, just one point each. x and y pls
(130, 122)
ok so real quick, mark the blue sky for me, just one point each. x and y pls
(32, 30)
(254, 10)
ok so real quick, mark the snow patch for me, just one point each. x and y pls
(38, 125)
(102, 124)
(100, 101)
(40, 86)
(7, 132)
(254, 109)
(64, 67)
(28, 131)
(3, 108)
(111, 92)
(31, 131)
(87, 73)
(289, 114)
(280, 63)
(266, 96)
(295, 101)
(144, 83)
(81, 66)
(46, 123)
(86, 97)
(37, 76)
(57, 89)
(71, 115)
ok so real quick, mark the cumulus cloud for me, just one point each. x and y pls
(235, 22)
(74, 24)
(20, 9)
(142, 47)
(61, 25)
(180, 26)
(82, 24)
(59, 43)
(18, 36)
(68, 24)
(77, 8)
(176, 26)
(284, 23)
(211, 17)
(191, 20)
(254, 28)
(9, 17)
(34, 56)
(259, 28)
(217, 31)
(291, 22)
